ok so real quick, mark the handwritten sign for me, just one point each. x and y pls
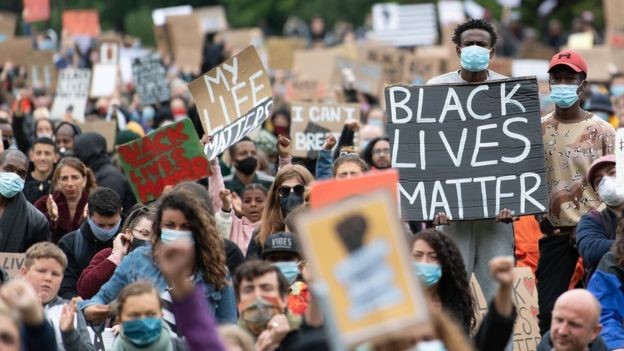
(72, 92)
(12, 263)
(41, 70)
(81, 22)
(312, 122)
(356, 249)
(232, 100)
(186, 41)
(105, 77)
(36, 10)
(167, 156)
(149, 77)
(468, 150)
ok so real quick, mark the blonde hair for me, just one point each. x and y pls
(45, 249)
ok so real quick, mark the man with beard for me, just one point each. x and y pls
(377, 153)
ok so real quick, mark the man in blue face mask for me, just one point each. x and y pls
(573, 139)
(96, 233)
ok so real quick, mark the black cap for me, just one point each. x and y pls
(281, 242)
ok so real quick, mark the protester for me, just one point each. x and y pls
(43, 269)
(262, 295)
(65, 207)
(377, 153)
(596, 231)
(21, 224)
(349, 164)
(573, 139)
(606, 285)
(142, 328)
(575, 325)
(282, 250)
(243, 156)
(43, 155)
(136, 232)
(181, 216)
(91, 149)
(479, 240)
(95, 234)
(285, 194)
(64, 135)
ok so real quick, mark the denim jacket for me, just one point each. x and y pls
(139, 265)
(324, 165)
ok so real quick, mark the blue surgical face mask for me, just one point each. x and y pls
(101, 233)
(289, 269)
(475, 58)
(142, 332)
(10, 184)
(617, 90)
(564, 95)
(429, 273)
(433, 345)
(169, 236)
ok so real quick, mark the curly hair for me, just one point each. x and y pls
(272, 216)
(367, 153)
(192, 200)
(475, 23)
(454, 287)
(79, 166)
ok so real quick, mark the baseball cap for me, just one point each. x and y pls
(569, 58)
(596, 165)
(281, 242)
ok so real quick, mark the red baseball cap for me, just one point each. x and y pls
(569, 58)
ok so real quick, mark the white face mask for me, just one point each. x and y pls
(608, 192)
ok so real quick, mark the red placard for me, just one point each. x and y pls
(329, 192)
(82, 22)
(36, 10)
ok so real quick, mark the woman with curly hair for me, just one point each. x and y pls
(181, 217)
(286, 193)
(439, 264)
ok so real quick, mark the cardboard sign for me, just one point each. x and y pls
(15, 50)
(72, 92)
(391, 59)
(8, 22)
(614, 12)
(282, 51)
(36, 10)
(317, 65)
(81, 22)
(619, 159)
(107, 129)
(422, 66)
(104, 80)
(41, 69)
(166, 156)
(109, 53)
(356, 250)
(162, 40)
(468, 150)
(601, 60)
(12, 263)
(404, 25)
(159, 16)
(211, 18)
(310, 123)
(186, 41)
(324, 193)
(232, 99)
(239, 39)
(481, 305)
(368, 75)
(150, 81)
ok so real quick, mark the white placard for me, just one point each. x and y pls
(104, 80)
(72, 92)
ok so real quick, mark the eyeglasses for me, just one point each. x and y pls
(284, 190)
(381, 151)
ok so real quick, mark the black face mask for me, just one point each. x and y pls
(247, 165)
(138, 243)
(290, 202)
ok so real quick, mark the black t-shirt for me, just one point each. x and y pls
(34, 189)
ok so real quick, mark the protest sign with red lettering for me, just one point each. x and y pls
(232, 100)
(81, 22)
(36, 10)
(310, 123)
(166, 156)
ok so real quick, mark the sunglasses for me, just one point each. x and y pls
(284, 190)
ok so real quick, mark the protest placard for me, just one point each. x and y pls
(451, 12)
(601, 61)
(324, 193)
(422, 66)
(404, 25)
(368, 75)
(232, 99)
(8, 22)
(614, 27)
(356, 238)
(159, 16)
(282, 51)
(12, 263)
(186, 41)
(311, 122)
(104, 80)
(41, 69)
(581, 41)
(72, 90)
(150, 81)
(109, 52)
(107, 129)
(166, 156)
(466, 158)
(318, 65)
(81, 22)
(240, 38)
(36, 10)
(390, 58)
(481, 305)
(211, 18)
(15, 50)
(162, 41)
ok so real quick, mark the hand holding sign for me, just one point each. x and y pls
(441, 219)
